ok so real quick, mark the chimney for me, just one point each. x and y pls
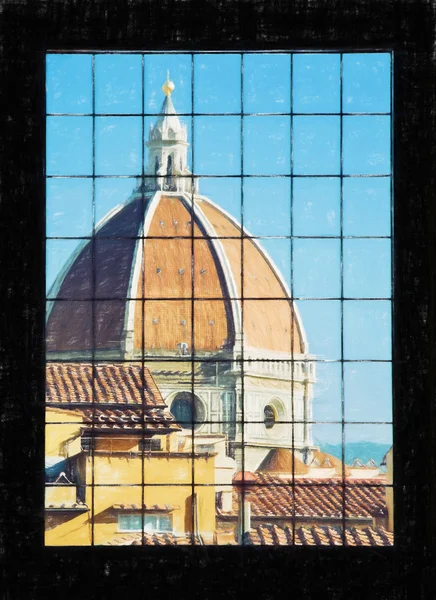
(225, 469)
(196, 532)
(244, 481)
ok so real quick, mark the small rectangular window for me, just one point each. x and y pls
(151, 522)
(129, 522)
(150, 445)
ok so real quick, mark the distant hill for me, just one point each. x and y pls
(361, 450)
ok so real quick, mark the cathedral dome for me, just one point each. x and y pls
(157, 268)
(165, 273)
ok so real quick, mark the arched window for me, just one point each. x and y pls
(169, 176)
(156, 165)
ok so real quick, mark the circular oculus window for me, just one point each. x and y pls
(269, 417)
(187, 410)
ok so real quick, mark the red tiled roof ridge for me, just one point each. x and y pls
(271, 478)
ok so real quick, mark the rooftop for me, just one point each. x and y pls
(146, 507)
(282, 460)
(116, 383)
(151, 539)
(270, 535)
(114, 396)
(273, 496)
(66, 507)
(273, 535)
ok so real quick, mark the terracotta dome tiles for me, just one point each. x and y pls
(172, 217)
(69, 326)
(145, 285)
(167, 286)
(268, 324)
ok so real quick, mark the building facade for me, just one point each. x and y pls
(117, 465)
(177, 284)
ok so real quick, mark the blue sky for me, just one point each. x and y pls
(274, 146)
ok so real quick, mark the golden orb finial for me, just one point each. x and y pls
(168, 86)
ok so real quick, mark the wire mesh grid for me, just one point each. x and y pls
(148, 360)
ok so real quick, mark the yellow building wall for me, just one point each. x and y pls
(118, 473)
(167, 481)
(62, 432)
(58, 493)
(68, 529)
(179, 497)
(206, 509)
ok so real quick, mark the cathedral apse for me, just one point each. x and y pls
(218, 298)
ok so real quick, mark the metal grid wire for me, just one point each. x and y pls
(194, 358)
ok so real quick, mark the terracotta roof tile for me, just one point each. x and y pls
(123, 383)
(127, 419)
(154, 507)
(268, 534)
(273, 496)
(73, 506)
(125, 396)
(150, 539)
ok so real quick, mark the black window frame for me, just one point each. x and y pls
(28, 30)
